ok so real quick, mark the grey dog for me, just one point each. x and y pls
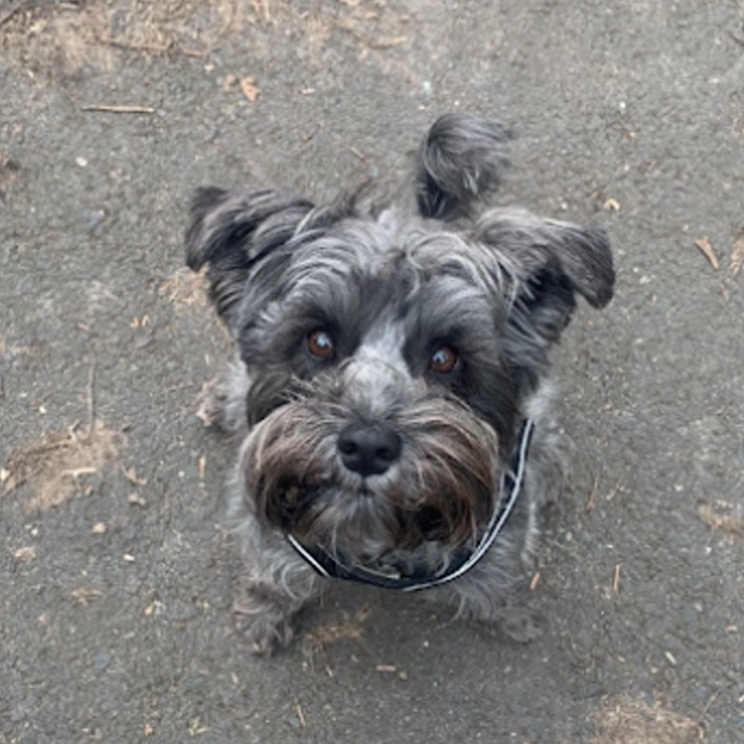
(390, 382)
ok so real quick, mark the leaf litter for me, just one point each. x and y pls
(54, 467)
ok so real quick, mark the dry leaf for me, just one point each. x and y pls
(250, 90)
(737, 256)
(704, 245)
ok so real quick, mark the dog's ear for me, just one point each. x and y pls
(546, 263)
(232, 231)
(459, 163)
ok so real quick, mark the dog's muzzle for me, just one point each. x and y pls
(334, 565)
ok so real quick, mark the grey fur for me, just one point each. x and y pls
(389, 290)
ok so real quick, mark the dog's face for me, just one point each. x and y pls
(390, 359)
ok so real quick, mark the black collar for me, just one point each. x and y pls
(332, 566)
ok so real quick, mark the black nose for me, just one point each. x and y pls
(368, 449)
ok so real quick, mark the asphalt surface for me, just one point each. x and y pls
(115, 574)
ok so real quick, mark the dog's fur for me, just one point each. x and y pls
(424, 329)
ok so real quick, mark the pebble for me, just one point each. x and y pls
(101, 661)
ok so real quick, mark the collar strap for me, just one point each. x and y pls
(333, 566)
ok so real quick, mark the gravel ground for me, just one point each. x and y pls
(116, 572)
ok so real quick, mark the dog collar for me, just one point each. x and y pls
(332, 566)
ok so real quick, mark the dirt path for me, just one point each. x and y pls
(116, 573)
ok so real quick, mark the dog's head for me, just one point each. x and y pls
(391, 356)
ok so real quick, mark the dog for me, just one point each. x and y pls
(390, 382)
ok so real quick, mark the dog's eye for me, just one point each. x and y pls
(320, 344)
(443, 360)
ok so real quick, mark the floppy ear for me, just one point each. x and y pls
(231, 231)
(459, 163)
(548, 263)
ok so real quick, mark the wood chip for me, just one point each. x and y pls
(616, 580)
(612, 205)
(386, 668)
(592, 500)
(705, 246)
(25, 554)
(85, 595)
(250, 90)
(737, 256)
(535, 581)
(229, 82)
(131, 475)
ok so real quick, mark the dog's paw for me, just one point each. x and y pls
(519, 624)
(522, 625)
(221, 401)
(264, 623)
(212, 400)
(264, 634)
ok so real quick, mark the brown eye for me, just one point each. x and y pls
(443, 360)
(320, 344)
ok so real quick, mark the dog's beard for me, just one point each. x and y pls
(441, 491)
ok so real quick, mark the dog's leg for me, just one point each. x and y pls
(222, 400)
(492, 598)
(273, 587)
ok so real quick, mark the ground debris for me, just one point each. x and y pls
(705, 246)
(185, 288)
(107, 108)
(349, 628)
(9, 169)
(737, 255)
(25, 554)
(627, 721)
(53, 467)
(61, 38)
(250, 89)
(86, 595)
(720, 517)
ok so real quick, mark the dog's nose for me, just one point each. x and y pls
(368, 449)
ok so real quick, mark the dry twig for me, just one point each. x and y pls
(111, 109)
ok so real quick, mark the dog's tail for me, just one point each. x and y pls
(458, 165)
